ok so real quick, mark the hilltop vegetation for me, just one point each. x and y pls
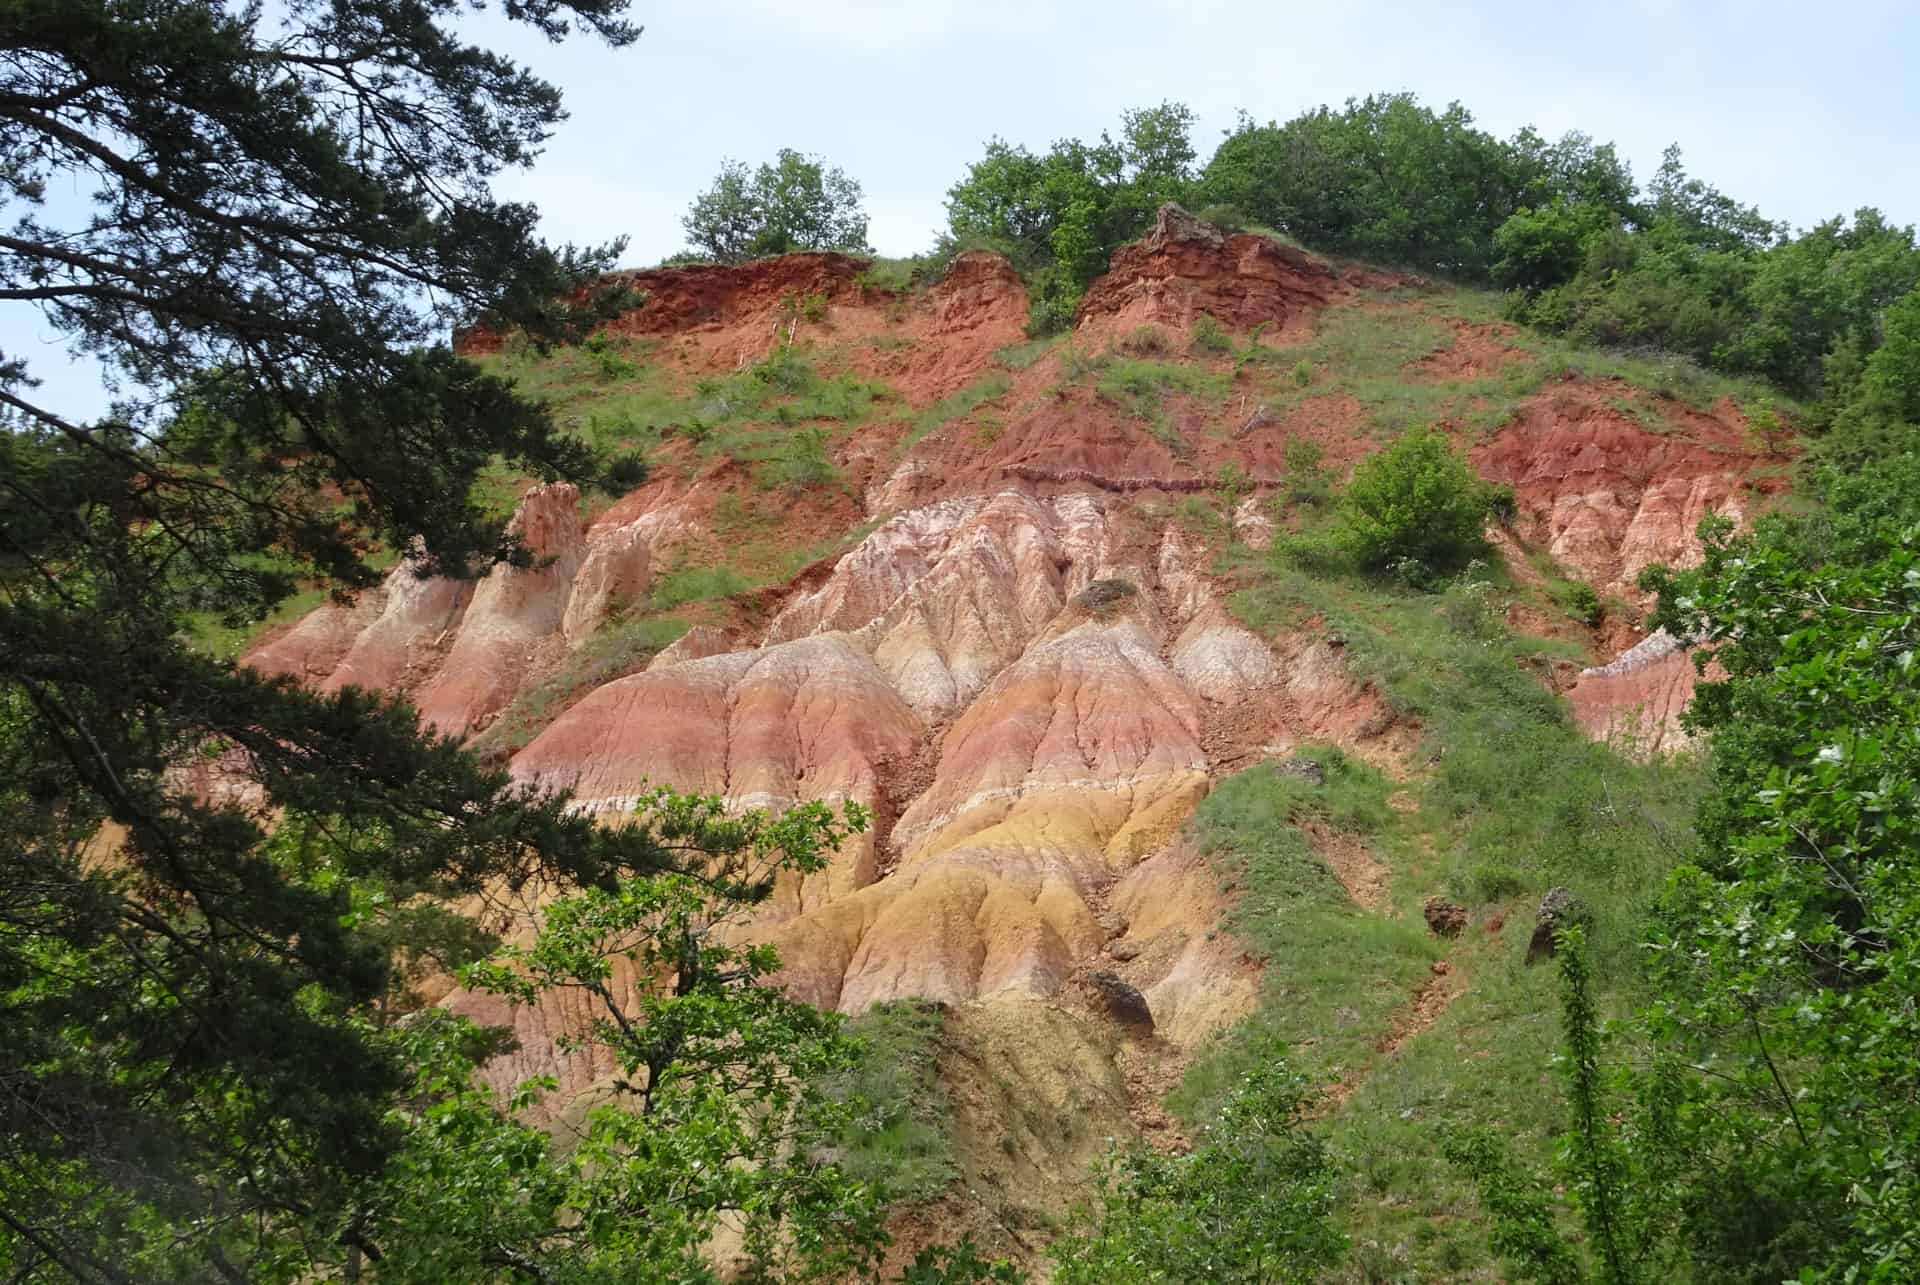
(232, 903)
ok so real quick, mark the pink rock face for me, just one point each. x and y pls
(1636, 700)
(401, 644)
(319, 641)
(810, 719)
(1608, 497)
(944, 596)
(1222, 661)
(615, 569)
(1194, 979)
(697, 643)
(805, 719)
(513, 611)
(947, 595)
(1093, 716)
(1078, 760)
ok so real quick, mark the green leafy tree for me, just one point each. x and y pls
(714, 1116)
(1545, 247)
(1771, 1130)
(1891, 384)
(1789, 957)
(1060, 216)
(1416, 506)
(1252, 1203)
(1833, 285)
(1388, 178)
(794, 203)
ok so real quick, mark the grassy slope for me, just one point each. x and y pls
(1503, 800)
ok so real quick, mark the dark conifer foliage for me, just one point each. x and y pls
(286, 211)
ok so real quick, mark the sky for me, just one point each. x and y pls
(1806, 110)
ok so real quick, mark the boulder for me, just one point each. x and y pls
(1120, 1000)
(1445, 918)
(1557, 909)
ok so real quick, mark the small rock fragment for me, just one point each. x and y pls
(1305, 768)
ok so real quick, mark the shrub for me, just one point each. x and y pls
(1253, 1202)
(1416, 502)
(627, 471)
(1209, 336)
(1307, 478)
(1235, 484)
(1076, 365)
(607, 358)
(1302, 373)
(1146, 341)
(802, 462)
(1770, 432)
(1584, 604)
(1104, 595)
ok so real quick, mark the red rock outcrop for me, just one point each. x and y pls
(1184, 267)
(1608, 496)
(766, 728)
(316, 644)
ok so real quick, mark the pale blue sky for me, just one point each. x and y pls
(1805, 110)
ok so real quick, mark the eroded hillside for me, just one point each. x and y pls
(1010, 596)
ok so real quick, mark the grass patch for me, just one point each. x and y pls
(684, 585)
(1021, 356)
(800, 463)
(1333, 974)
(606, 390)
(786, 388)
(1518, 798)
(955, 405)
(900, 1139)
(213, 635)
(1140, 387)
(1363, 349)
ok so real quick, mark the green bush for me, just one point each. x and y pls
(627, 471)
(1209, 336)
(1253, 1202)
(802, 462)
(1584, 603)
(1146, 341)
(1308, 481)
(898, 1140)
(1415, 506)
